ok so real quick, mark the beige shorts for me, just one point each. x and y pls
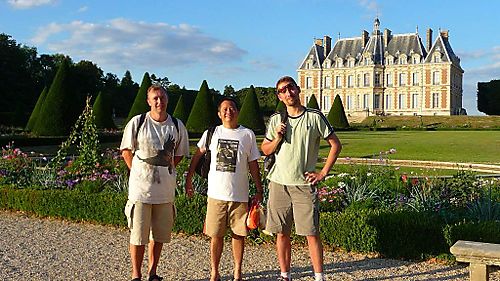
(297, 202)
(150, 222)
(224, 214)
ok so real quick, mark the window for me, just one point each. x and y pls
(402, 60)
(415, 78)
(402, 79)
(328, 82)
(401, 101)
(350, 63)
(366, 80)
(388, 102)
(348, 103)
(366, 61)
(388, 61)
(414, 101)
(415, 60)
(437, 57)
(358, 82)
(376, 101)
(308, 65)
(308, 82)
(338, 82)
(326, 103)
(377, 79)
(435, 100)
(388, 78)
(350, 81)
(365, 101)
(435, 78)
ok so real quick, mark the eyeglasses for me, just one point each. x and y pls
(289, 87)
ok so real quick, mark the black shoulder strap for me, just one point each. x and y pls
(210, 132)
(176, 123)
(141, 121)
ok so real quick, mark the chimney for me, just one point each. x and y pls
(444, 34)
(387, 37)
(364, 37)
(327, 45)
(318, 42)
(429, 40)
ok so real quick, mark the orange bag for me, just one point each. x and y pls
(253, 218)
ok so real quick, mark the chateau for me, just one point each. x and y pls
(384, 74)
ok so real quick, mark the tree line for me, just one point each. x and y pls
(46, 94)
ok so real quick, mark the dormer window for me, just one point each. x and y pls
(389, 60)
(416, 59)
(436, 57)
(339, 62)
(402, 59)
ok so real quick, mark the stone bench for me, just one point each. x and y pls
(479, 255)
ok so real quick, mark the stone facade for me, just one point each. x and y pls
(384, 74)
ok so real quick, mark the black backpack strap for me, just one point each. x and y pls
(141, 121)
(210, 133)
(176, 123)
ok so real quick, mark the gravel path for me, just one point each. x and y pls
(47, 249)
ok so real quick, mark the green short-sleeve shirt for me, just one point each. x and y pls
(299, 149)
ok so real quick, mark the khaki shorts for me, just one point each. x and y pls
(297, 202)
(149, 222)
(224, 214)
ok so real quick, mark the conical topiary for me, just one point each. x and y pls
(53, 117)
(103, 112)
(337, 116)
(250, 115)
(181, 111)
(204, 113)
(36, 110)
(313, 102)
(140, 104)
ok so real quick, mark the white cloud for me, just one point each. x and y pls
(126, 44)
(83, 9)
(26, 4)
(372, 8)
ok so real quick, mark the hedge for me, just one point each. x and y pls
(402, 234)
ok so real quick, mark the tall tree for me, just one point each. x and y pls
(229, 91)
(36, 111)
(250, 115)
(53, 118)
(140, 104)
(103, 112)
(337, 116)
(203, 114)
(125, 95)
(313, 102)
(488, 97)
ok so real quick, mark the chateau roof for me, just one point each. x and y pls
(405, 44)
(316, 54)
(344, 48)
(442, 45)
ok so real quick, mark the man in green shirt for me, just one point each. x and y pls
(293, 178)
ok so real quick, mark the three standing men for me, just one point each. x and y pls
(153, 149)
(293, 177)
(152, 146)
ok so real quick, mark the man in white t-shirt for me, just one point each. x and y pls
(152, 145)
(234, 153)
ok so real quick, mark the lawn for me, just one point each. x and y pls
(451, 146)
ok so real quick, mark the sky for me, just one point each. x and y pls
(242, 43)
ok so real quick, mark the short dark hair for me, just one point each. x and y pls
(285, 79)
(227, 99)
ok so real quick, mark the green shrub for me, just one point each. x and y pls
(103, 207)
(190, 214)
(204, 113)
(103, 112)
(313, 102)
(181, 111)
(53, 119)
(36, 110)
(140, 104)
(487, 232)
(250, 115)
(337, 116)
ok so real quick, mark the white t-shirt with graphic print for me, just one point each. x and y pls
(152, 177)
(231, 150)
